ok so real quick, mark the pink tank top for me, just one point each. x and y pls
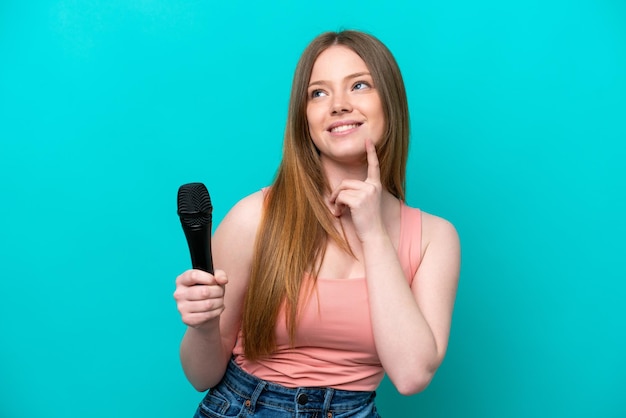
(334, 344)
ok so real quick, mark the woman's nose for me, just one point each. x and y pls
(340, 104)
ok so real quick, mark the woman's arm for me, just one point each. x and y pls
(411, 324)
(211, 305)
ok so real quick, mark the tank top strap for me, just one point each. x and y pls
(410, 246)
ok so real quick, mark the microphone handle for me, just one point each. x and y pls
(199, 241)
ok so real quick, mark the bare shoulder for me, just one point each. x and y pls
(244, 216)
(438, 273)
(234, 238)
(441, 247)
(249, 205)
(439, 231)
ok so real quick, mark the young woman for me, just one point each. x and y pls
(326, 280)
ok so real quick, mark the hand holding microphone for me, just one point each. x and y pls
(199, 292)
(200, 296)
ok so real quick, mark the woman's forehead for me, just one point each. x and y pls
(337, 61)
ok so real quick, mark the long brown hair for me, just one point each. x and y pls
(296, 223)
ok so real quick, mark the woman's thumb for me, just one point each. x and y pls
(220, 277)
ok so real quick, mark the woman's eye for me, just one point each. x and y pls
(317, 93)
(361, 85)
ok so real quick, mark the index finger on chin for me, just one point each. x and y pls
(373, 168)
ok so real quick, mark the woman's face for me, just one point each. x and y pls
(343, 106)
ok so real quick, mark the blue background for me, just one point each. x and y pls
(518, 127)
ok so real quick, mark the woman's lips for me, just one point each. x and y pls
(340, 127)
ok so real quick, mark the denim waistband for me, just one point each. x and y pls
(258, 391)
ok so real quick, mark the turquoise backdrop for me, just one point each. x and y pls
(518, 116)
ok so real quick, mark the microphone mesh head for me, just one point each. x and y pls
(194, 205)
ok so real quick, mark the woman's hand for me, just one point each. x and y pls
(200, 296)
(362, 198)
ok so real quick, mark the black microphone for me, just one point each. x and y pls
(194, 210)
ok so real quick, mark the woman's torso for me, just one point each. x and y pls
(334, 344)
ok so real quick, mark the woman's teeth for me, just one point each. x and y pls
(342, 128)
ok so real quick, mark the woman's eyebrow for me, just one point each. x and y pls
(348, 77)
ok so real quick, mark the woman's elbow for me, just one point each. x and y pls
(410, 385)
(417, 376)
(200, 387)
(200, 383)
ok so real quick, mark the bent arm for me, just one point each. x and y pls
(206, 349)
(411, 325)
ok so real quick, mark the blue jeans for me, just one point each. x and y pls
(240, 394)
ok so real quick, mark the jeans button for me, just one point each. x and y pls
(302, 399)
